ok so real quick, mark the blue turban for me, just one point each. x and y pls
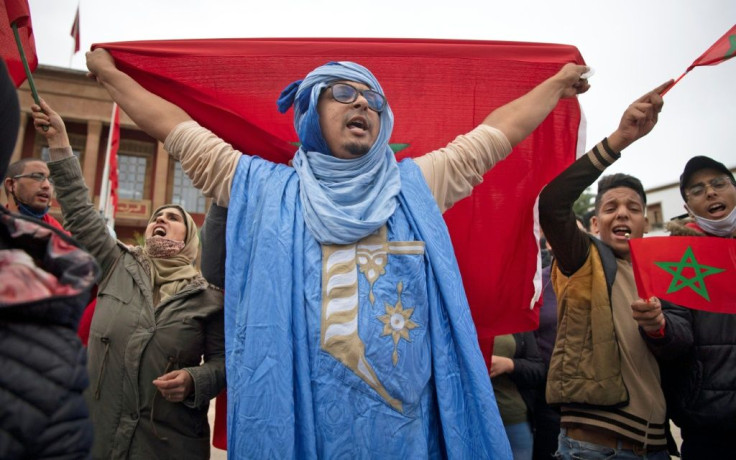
(342, 200)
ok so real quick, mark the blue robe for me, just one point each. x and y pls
(357, 351)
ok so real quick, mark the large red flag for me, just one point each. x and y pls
(437, 90)
(17, 12)
(724, 48)
(695, 272)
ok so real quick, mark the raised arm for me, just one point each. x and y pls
(453, 171)
(80, 216)
(520, 117)
(556, 216)
(154, 115)
(209, 161)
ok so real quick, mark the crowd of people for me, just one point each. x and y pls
(308, 268)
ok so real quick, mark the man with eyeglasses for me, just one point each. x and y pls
(697, 349)
(348, 332)
(29, 190)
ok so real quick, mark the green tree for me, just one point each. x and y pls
(584, 203)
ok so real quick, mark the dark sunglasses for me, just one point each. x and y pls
(37, 176)
(347, 94)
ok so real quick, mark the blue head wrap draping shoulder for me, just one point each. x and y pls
(342, 200)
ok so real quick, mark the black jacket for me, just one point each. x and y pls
(697, 359)
(46, 283)
(530, 372)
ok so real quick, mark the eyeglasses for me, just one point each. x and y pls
(37, 176)
(698, 190)
(347, 94)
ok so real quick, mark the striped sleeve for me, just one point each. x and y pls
(556, 201)
(602, 156)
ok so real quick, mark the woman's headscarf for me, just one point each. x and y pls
(171, 275)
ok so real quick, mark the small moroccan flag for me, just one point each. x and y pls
(691, 271)
(724, 48)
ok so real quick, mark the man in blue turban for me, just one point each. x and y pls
(348, 333)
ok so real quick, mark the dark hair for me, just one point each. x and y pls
(618, 180)
(17, 167)
(586, 218)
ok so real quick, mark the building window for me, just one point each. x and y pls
(45, 156)
(185, 194)
(654, 213)
(131, 177)
(77, 142)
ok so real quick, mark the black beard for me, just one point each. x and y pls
(357, 149)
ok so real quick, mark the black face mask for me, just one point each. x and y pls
(9, 117)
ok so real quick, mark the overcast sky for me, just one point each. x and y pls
(633, 45)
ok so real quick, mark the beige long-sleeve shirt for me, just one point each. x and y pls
(451, 172)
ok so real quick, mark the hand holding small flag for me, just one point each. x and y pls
(724, 48)
(648, 314)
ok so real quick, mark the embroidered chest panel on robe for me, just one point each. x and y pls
(374, 316)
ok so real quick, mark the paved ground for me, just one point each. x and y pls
(218, 454)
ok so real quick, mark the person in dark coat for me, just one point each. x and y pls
(46, 282)
(697, 349)
(156, 344)
(546, 419)
(517, 375)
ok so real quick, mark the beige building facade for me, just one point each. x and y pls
(148, 177)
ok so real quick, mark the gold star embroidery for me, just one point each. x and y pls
(397, 323)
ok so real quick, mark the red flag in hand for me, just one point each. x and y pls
(18, 13)
(724, 48)
(693, 271)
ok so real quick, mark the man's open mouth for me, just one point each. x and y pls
(359, 123)
(716, 207)
(622, 230)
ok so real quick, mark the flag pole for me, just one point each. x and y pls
(105, 186)
(25, 63)
(23, 59)
(75, 36)
(673, 83)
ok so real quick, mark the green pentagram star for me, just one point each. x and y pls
(732, 49)
(697, 282)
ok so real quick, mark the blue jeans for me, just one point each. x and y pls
(521, 440)
(572, 449)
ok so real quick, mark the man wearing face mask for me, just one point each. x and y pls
(697, 349)
(29, 190)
